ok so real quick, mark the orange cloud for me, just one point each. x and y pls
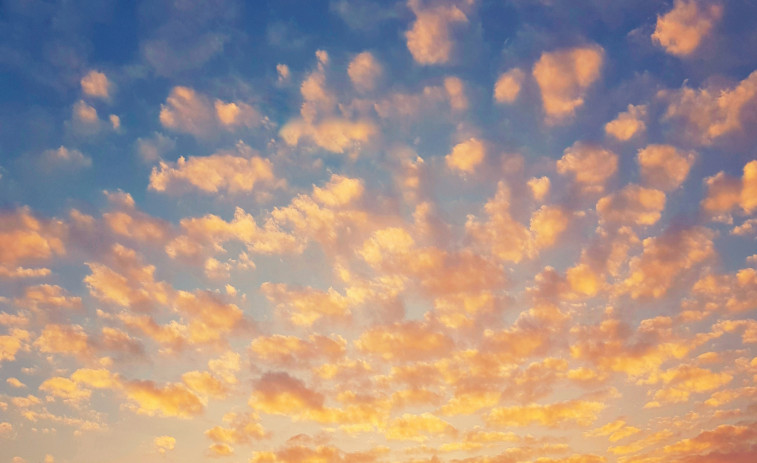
(405, 341)
(681, 30)
(231, 172)
(564, 76)
(429, 39)
(580, 412)
(628, 124)
(173, 399)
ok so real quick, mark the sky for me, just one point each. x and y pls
(342, 231)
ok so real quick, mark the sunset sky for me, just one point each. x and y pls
(363, 231)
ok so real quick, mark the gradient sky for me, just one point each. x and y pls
(366, 231)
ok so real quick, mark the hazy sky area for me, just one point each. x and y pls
(362, 231)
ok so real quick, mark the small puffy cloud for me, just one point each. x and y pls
(126, 220)
(96, 84)
(283, 72)
(14, 382)
(152, 149)
(418, 427)
(64, 339)
(221, 172)
(710, 113)
(429, 39)
(334, 134)
(633, 205)
(546, 226)
(12, 343)
(628, 124)
(614, 431)
(364, 71)
(508, 238)
(508, 85)
(290, 351)
(115, 121)
(405, 341)
(590, 165)
(240, 429)
(236, 114)
(664, 258)
(725, 193)
(6, 429)
(680, 31)
(539, 187)
(304, 306)
(682, 381)
(129, 284)
(282, 394)
(164, 444)
(24, 237)
(85, 118)
(664, 166)
(66, 158)
(466, 156)
(169, 400)
(456, 93)
(187, 110)
(564, 76)
(339, 191)
(48, 298)
(64, 388)
(580, 412)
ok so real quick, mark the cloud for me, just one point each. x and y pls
(633, 205)
(283, 72)
(418, 427)
(231, 172)
(189, 111)
(681, 30)
(405, 341)
(164, 444)
(682, 381)
(305, 306)
(333, 134)
(564, 76)
(664, 258)
(96, 84)
(281, 394)
(66, 158)
(508, 85)
(580, 412)
(508, 238)
(364, 71)
(11, 344)
(64, 339)
(429, 39)
(664, 166)
(127, 221)
(46, 297)
(725, 193)
(64, 388)
(290, 351)
(707, 115)
(466, 156)
(173, 399)
(590, 165)
(628, 124)
(539, 187)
